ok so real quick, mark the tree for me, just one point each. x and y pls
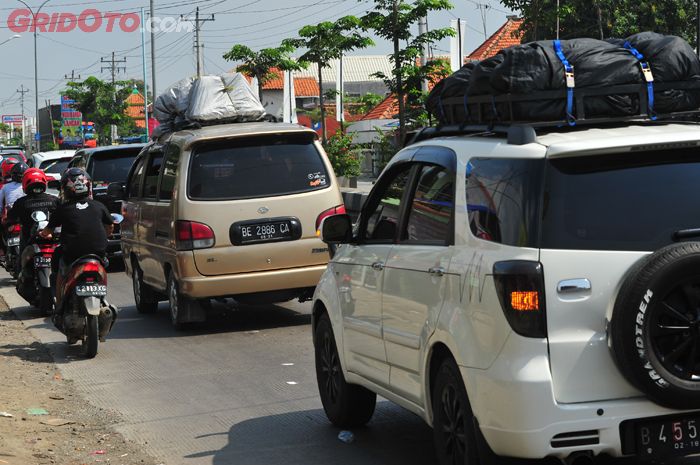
(328, 41)
(605, 18)
(363, 104)
(393, 20)
(101, 102)
(260, 64)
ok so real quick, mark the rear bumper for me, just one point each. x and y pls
(514, 403)
(244, 283)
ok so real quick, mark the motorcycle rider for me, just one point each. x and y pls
(85, 223)
(5, 168)
(34, 183)
(10, 192)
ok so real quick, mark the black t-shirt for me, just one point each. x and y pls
(82, 228)
(23, 208)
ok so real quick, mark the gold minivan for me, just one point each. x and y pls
(227, 211)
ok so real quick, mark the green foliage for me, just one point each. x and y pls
(363, 104)
(101, 102)
(394, 20)
(606, 18)
(260, 64)
(386, 147)
(344, 156)
(328, 41)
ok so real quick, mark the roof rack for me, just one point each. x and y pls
(521, 132)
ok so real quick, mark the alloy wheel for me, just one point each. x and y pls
(330, 367)
(452, 426)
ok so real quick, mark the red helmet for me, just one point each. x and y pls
(6, 166)
(34, 181)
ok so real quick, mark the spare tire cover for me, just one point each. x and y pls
(655, 326)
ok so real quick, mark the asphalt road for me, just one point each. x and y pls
(237, 390)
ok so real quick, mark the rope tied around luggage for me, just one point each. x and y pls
(570, 83)
(648, 77)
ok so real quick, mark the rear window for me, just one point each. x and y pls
(113, 165)
(256, 167)
(55, 166)
(632, 201)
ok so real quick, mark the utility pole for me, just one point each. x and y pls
(72, 76)
(23, 91)
(153, 53)
(423, 29)
(198, 45)
(113, 68)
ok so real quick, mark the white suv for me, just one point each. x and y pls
(529, 294)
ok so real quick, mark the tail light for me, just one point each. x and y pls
(338, 210)
(520, 288)
(190, 235)
(16, 228)
(92, 272)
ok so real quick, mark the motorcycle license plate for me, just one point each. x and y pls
(668, 437)
(13, 241)
(42, 262)
(90, 290)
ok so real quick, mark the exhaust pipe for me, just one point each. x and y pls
(580, 458)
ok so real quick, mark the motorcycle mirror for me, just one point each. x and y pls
(39, 216)
(117, 218)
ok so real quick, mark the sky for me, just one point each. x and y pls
(255, 23)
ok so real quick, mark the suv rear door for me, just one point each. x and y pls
(262, 196)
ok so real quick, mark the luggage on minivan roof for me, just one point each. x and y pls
(645, 74)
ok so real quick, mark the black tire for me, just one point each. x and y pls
(144, 297)
(454, 431)
(91, 337)
(179, 305)
(346, 405)
(655, 326)
(45, 301)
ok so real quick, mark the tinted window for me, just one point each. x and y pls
(385, 207)
(136, 178)
(167, 183)
(78, 161)
(150, 186)
(430, 217)
(112, 166)
(55, 166)
(503, 198)
(631, 201)
(256, 167)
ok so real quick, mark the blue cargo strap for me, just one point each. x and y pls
(570, 83)
(648, 77)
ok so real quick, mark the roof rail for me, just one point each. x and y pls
(517, 134)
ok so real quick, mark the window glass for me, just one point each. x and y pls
(633, 201)
(55, 166)
(112, 165)
(256, 167)
(79, 161)
(503, 199)
(383, 222)
(136, 178)
(167, 183)
(430, 217)
(150, 185)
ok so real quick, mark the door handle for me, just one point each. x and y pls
(573, 285)
(436, 271)
(379, 266)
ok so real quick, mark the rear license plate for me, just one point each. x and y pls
(265, 232)
(42, 262)
(89, 290)
(668, 437)
(12, 241)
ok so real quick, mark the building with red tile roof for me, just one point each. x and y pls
(134, 108)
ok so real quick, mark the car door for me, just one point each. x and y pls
(416, 275)
(147, 218)
(359, 273)
(131, 210)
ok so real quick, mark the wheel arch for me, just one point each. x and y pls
(438, 353)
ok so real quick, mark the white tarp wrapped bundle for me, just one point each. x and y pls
(227, 98)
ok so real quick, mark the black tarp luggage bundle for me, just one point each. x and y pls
(646, 74)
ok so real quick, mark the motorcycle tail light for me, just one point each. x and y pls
(16, 228)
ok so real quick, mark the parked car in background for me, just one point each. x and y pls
(13, 152)
(227, 211)
(106, 165)
(54, 162)
(531, 292)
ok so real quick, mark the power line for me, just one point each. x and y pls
(113, 67)
(198, 40)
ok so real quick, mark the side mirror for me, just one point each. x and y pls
(117, 218)
(115, 190)
(336, 229)
(54, 184)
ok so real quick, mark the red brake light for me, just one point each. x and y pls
(338, 210)
(92, 267)
(16, 228)
(191, 235)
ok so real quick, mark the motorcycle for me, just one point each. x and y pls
(81, 311)
(12, 252)
(34, 283)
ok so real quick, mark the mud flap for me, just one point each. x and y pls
(44, 276)
(92, 305)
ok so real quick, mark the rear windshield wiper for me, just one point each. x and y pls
(685, 234)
